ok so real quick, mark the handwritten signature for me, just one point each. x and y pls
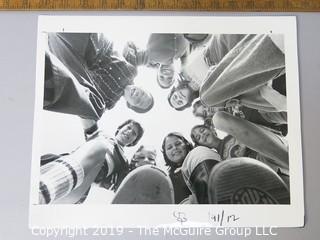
(180, 217)
(221, 218)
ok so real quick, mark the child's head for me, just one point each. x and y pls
(129, 133)
(203, 135)
(202, 111)
(197, 40)
(182, 96)
(143, 156)
(175, 148)
(165, 75)
(138, 99)
(164, 48)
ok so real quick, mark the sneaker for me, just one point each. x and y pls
(246, 181)
(145, 185)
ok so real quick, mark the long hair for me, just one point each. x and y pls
(172, 166)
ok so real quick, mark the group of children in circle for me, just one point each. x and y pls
(251, 121)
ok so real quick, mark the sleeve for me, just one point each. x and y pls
(195, 157)
(70, 93)
(134, 55)
(219, 46)
(253, 62)
(264, 99)
(98, 44)
(277, 100)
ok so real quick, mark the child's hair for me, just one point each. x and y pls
(196, 42)
(195, 105)
(133, 161)
(188, 144)
(183, 84)
(139, 133)
(141, 110)
(211, 128)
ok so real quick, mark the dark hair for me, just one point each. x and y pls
(188, 144)
(191, 39)
(183, 84)
(139, 133)
(141, 110)
(196, 42)
(197, 126)
(196, 104)
(204, 116)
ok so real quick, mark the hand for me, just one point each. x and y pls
(233, 106)
(232, 103)
(130, 53)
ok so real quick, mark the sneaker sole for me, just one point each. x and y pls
(145, 185)
(246, 181)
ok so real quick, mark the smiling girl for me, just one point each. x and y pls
(175, 148)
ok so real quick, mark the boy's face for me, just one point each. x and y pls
(127, 134)
(165, 75)
(137, 97)
(144, 157)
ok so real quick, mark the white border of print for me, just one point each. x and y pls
(163, 215)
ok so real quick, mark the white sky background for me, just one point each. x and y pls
(63, 133)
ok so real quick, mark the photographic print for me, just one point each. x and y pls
(198, 115)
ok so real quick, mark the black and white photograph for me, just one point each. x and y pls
(177, 113)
